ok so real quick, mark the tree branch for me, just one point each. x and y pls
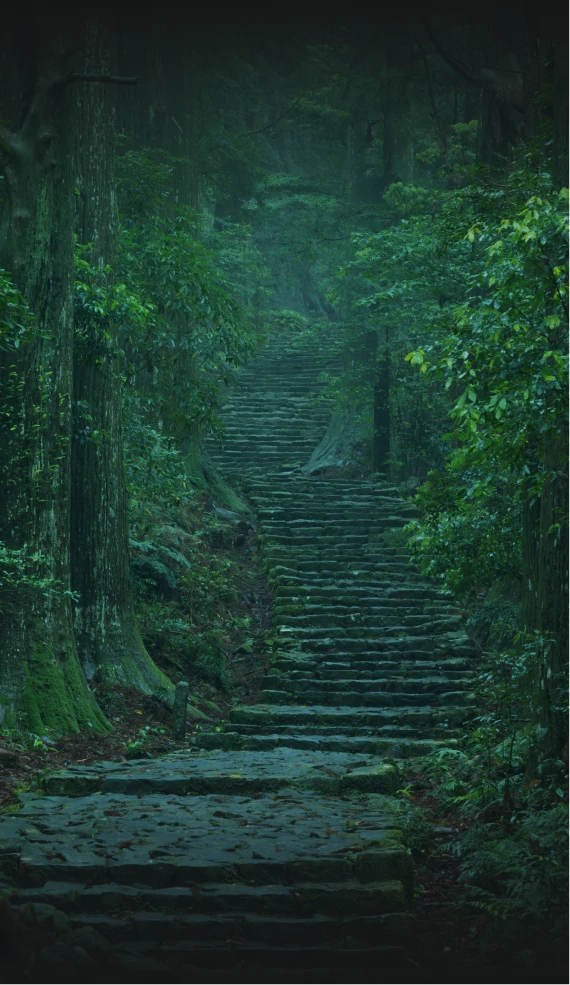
(451, 60)
(251, 133)
(57, 87)
(513, 71)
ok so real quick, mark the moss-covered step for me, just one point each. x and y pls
(332, 899)
(193, 774)
(269, 716)
(286, 837)
(391, 748)
(368, 699)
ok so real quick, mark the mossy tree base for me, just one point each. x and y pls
(47, 692)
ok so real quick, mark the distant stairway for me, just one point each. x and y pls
(371, 657)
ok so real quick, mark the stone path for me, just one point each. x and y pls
(272, 847)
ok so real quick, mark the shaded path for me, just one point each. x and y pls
(273, 846)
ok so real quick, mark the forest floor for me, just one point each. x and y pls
(141, 725)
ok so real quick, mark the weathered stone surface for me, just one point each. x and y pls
(45, 916)
(380, 778)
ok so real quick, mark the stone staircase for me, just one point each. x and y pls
(273, 419)
(269, 851)
(369, 656)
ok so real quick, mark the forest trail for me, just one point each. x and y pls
(273, 846)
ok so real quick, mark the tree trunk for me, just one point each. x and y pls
(42, 685)
(530, 545)
(553, 563)
(552, 608)
(165, 119)
(381, 425)
(106, 630)
(560, 110)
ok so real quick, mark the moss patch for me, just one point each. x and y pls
(56, 697)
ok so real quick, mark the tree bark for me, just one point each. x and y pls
(552, 608)
(42, 685)
(106, 630)
(530, 545)
(560, 110)
(545, 518)
(381, 414)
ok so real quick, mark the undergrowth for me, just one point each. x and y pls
(506, 807)
(195, 576)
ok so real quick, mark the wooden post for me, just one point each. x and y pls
(179, 711)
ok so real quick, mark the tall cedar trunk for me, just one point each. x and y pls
(545, 518)
(106, 630)
(388, 144)
(560, 108)
(381, 413)
(42, 685)
(530, 559)
(165, 118)
(552, 614)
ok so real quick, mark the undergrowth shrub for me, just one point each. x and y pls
(185, 583)
(513, 801)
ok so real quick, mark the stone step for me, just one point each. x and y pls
(367, 699)
(318, 532)
(318, 486)
(356, 594)
(369, 630)
(392, 732)
(193, 774)
(316, 523)
(348, 569)
(366, 609)
(351, 562)
(367, 685)
(309, 931)
(354, 563)
(272, 964)
(360, 606)
(398, 747)
(341, 499)
(270, 715)
(159, 841)
(364, 672)
(237, 899)
(271, 444)
(407, 648)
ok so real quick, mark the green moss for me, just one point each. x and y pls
(56, 697)
(226, 497)
(193, 464)
(134, 667)
(33, 720)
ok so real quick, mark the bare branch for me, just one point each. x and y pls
(513, 71)
(451, 60)
(57, 87)
(118, 80)
(268, 126)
